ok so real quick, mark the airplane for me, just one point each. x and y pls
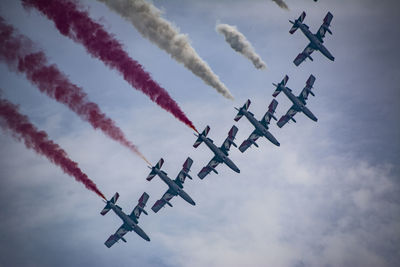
(299, 102)
(316, 40)
(261, 127)
(175, 186)
(130, 222)
(220, 153)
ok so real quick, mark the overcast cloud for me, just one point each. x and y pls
(329, 196)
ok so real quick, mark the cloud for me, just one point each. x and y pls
(281, 3)
(240, 44)
(146, 18)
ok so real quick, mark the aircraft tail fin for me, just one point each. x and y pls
(245, 107)
(199, 140)
(108, 207)
(280, 85)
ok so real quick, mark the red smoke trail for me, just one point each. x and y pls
(16, 51)
(37, 140)
(77, 25)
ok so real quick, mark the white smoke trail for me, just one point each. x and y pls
(147, 19)
(240, 44)
(281, 3)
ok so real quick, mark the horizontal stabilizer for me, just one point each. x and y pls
(153, 169)
(280, 86)
(108, 207)
(297, 22)
(199, 140)
(245, 107)
(238, 116)
(115, 198)
(159, 164)
(151, 175)
(302, 17)
(105, 210)
(206, 130)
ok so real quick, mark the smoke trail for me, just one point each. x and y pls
(37, 140)
(281, 3)
(147, 19)
(240, 44)
(16, 51)
(78, 26)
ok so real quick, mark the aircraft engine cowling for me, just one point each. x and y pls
(143, 210)
(327, 29)
(253, 142)
(168, 203)
(232, 142)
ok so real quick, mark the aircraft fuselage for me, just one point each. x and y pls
(222, 157)
(174, 187)
(315, 42)
(125, 218)
(298, 104)
(129, 223)
(260, 128)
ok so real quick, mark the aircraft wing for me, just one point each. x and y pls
(180, 179)
(117, 236)
(270, 113)
(140, 206)
(325, 27)
(288, 116)
(229, 140)
(303, 55)
(161, 202)
(249, 141)
(307, 89)
(210, 167)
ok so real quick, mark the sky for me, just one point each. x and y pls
(328, 196)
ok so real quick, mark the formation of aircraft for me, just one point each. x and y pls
(175, 186)
(316, 40)
(221, 154)
(130, 222)
(261, 127)
(299, 102)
